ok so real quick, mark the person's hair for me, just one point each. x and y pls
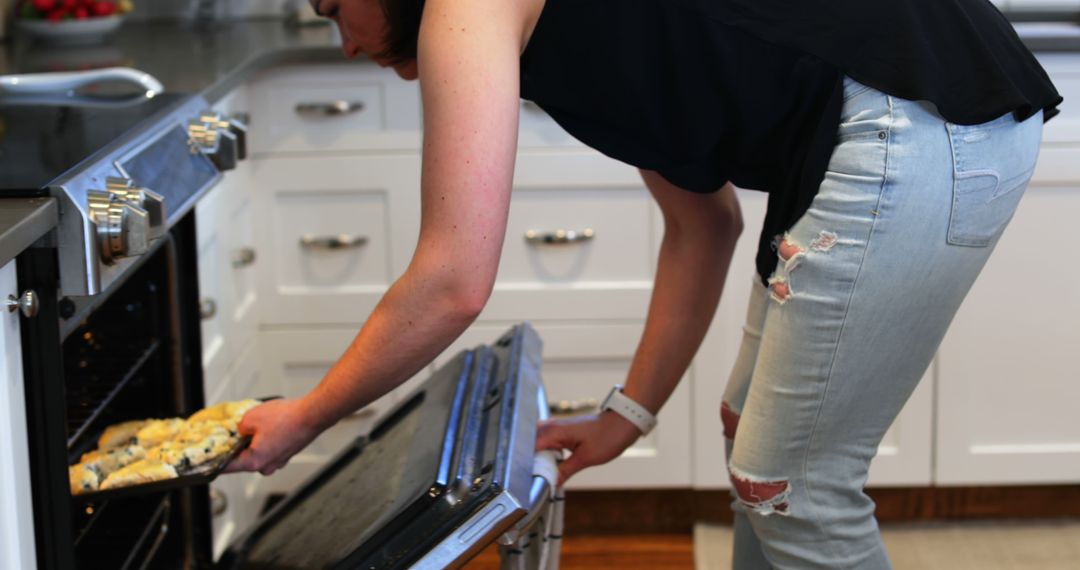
(402, 29)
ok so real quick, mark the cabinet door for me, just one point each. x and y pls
(215, 304)
(580, 241)
(1008, 377)
(580, 365)
(336, 231)
(293, 362)
(905, 453)
(239, 258)
(16, 511)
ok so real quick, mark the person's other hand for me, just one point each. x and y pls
(592, 440)
(279, 429)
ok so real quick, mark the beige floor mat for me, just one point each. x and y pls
(980, 545)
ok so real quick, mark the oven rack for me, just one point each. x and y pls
(89, 395)
(136, 530)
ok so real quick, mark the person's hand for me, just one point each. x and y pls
(279, 429)
(592, 440)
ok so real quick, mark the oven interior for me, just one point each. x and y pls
(133, 356)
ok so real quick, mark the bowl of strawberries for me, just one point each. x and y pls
(71, 22)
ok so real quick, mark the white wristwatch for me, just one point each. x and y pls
(634, 412)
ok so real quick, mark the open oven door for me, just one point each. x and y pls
(452, 469)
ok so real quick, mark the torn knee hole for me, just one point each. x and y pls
(763, 496)
(788, 250)
(729, 419)
(781, 291)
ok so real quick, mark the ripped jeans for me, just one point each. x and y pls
(867, 283)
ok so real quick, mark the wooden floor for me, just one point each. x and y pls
(628, 552)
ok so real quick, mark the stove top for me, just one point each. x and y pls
(39, 142)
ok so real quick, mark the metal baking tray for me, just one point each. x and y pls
(198, 475)
(188, 477)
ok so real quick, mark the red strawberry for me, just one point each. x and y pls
(44, 6)
(69, 4)
(81, 13)
(104, 8)
(56, 15)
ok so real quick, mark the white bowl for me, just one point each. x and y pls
(71, 32)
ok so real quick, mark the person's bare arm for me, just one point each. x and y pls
(468, 63)
(700, 232)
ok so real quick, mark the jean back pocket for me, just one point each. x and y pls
(993, 163)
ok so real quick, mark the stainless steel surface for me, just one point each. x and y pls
(218, 138)
(122, 228)
(207, 309)
(573, 407)
(102, 229)
(559, 236)
(154, 204)
(341, 241)
(27, 303)
(243, 257)
(515, 500)
(329, 108)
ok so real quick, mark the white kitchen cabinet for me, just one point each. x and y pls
(16, 511)
(1008, 388)
(337, 230)
(905, 454)
(581, 364)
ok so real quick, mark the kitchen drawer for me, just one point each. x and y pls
(333, 107)
(294, 362)
(580, 365)
(368, 206)
(604, 269)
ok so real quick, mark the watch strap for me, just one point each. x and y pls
(634, 412)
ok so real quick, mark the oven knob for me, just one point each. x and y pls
(122, 228)
(218, 144)
(235, 124)
(154, 204)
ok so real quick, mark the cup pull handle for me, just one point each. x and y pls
(329, 108)
(573, 407)
(341, 241)
(559, 236)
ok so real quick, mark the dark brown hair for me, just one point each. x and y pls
(402, 29)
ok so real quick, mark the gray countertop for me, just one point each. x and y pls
(22, 222)
(212, 61)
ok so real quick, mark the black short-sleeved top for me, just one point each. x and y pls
(750, 91)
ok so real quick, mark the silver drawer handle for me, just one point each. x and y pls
(207, 309)
(219, 502)
(243, 257)
(329, 109)
(27, 303)
(573, 407)
(340, 241)
(559, 236)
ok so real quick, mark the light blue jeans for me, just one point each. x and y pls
(867, 283)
